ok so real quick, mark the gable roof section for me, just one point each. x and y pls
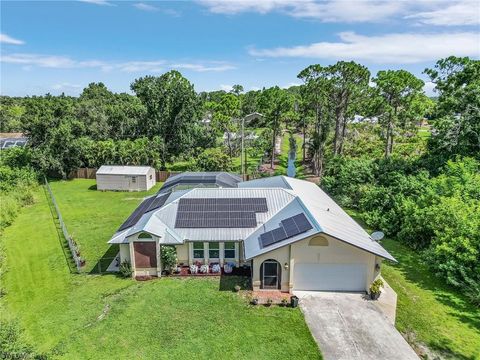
(330, 217)
(123, 170)
(202, 179)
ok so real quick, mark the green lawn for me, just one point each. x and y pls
(92, 216)
(73, 316)
(428, 310)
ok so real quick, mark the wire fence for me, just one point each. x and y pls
(72, 245)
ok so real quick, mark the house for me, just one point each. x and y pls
(290, 233)
(8, 140)
(125, 178)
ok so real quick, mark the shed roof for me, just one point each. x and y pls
(123, 170)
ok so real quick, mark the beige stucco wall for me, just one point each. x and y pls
(124, 253)
(337, 252)
(182, 253)
(282, 255)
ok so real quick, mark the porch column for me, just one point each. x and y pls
(205, 252)
(190, 253)
(132, 259)
(237, 254)
(222, 253)
(159, 257)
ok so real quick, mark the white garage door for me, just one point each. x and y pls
(340, 277)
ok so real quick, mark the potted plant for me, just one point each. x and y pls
(284, 302)
(375, 289)
(254, 301)
(237, 288)
(269, 302)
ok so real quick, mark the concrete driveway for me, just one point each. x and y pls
(346, 326)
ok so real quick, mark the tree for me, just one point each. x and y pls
(457, 125)
(225, 115)
(214, 160)
(275, 103)
(171, 111)
(237, 89)
(316, 96)
(348, 81)
(399, 97)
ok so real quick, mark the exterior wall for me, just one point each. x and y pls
(282, 255)
(207, 260)
(153, 271)
(150, 179)
(124, 182)
(124, 253)
(337, 252)
(182, 253)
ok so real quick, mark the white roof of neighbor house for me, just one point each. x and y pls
(123, 170)
(285, 197)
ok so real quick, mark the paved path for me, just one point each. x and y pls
(346, 326)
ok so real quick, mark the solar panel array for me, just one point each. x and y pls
(145, 206)
(201, 179)
(290, 227)
(219, 212)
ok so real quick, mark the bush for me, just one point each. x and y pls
(169, 257)
(214, 160)
(125, 269)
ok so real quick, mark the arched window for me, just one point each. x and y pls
(318, 241)
(144, 235)
(270, 274)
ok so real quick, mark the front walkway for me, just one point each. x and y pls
(346, 326)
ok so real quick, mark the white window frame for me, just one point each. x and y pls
(215, 249)
(233, 249)
(202, 250)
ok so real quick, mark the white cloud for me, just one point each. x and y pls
(65, 62)
(327, 11)
(5, 39)
(455, 13)
(66, 86)
(145, 7)
(291, 84)
(226, 87)
(388, 48)
(98, 2)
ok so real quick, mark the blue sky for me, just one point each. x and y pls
(61, 46)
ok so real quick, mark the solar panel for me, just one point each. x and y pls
(289, 227)
(137, 214)
(223, 204)
(219, 212)
(213, 219)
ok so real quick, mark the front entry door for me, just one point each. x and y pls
(270, 274)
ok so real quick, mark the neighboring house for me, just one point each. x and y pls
(125, 178)
(290, 232)
(8, 140)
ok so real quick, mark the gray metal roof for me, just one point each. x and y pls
(201, 179)
(285, 197)
(123, 170)
(331, 218)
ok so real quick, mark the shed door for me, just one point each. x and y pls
(330, 277)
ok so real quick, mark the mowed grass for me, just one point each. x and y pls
(93, 216)
(428, 311)
(71, 316)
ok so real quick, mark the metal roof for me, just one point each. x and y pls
(285, 197)
(331, 218)
(201, 179)
(123, 170)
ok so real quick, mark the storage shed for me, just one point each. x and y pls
(125, 178)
